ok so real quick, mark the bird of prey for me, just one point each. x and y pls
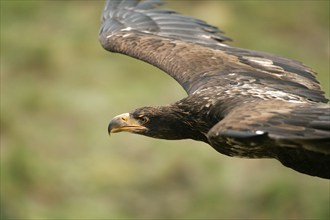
(243, 103)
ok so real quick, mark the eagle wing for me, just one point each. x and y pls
(194, 53)
(297, 134)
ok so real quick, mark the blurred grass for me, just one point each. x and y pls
(59, 89)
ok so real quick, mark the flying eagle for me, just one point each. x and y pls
(243, 103)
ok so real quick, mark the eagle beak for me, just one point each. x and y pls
(124, 122)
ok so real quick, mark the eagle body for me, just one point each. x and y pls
(243, 103)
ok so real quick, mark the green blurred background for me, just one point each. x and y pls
(59, 89)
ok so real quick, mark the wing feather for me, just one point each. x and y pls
(298, 135)
(193, 52)
(284, 124)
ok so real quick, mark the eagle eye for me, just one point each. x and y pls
(143, 119)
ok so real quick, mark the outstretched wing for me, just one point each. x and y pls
(179, 45)
(297, 134)
(193, 52)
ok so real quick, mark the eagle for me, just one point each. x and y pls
(243, 103)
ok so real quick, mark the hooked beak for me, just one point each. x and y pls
(124, 122)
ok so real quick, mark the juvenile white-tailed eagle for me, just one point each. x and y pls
(243, 103)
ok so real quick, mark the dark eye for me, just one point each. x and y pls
(143, 119)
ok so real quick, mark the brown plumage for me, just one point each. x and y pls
(243, 103)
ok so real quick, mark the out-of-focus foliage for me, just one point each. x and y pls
(59, 89)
